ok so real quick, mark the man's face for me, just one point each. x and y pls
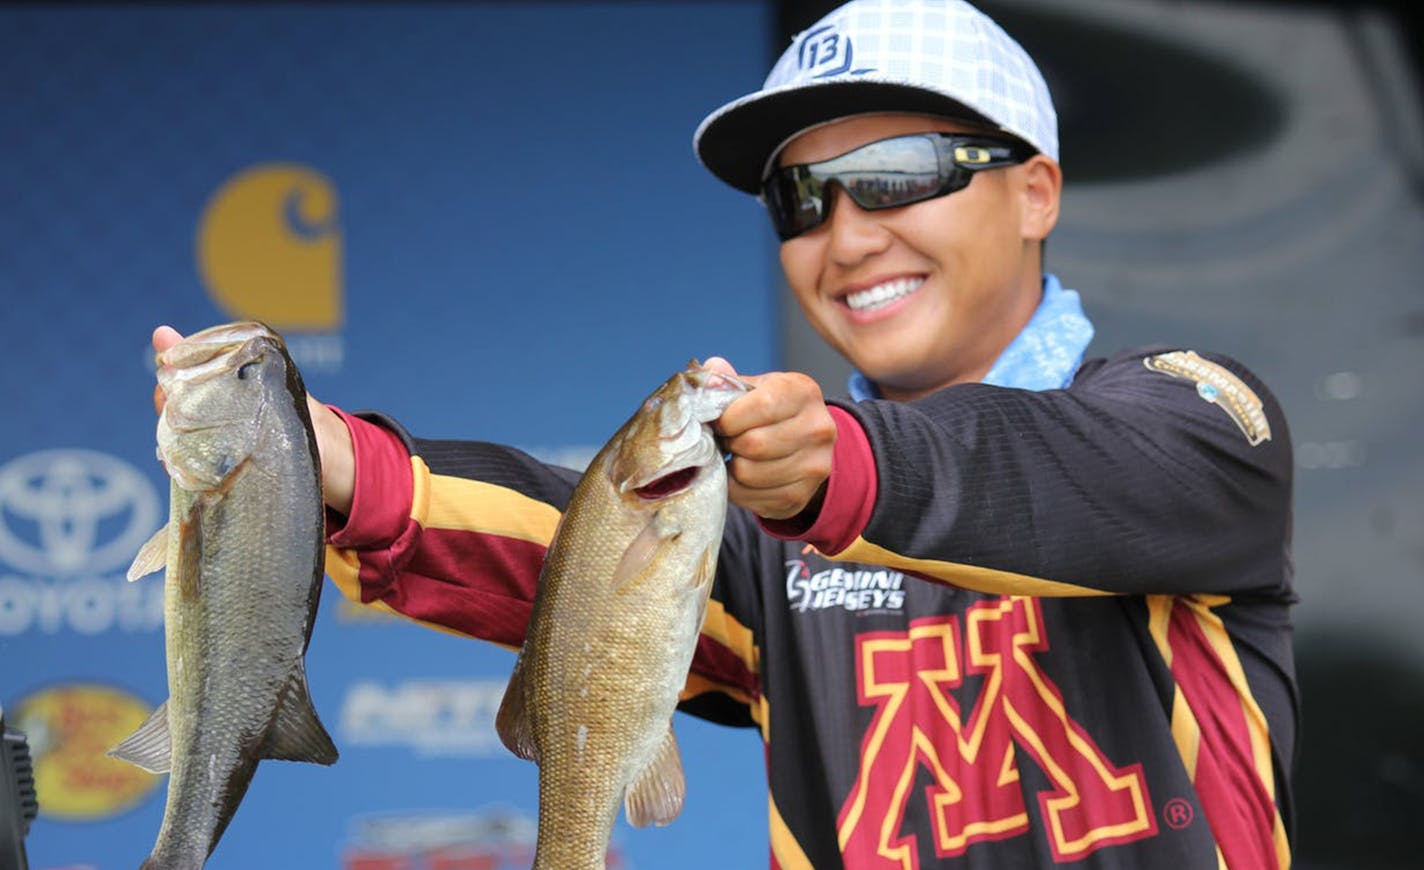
(924, 295)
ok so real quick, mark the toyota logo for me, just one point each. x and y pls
(66, 512)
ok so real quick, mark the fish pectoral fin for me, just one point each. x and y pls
(151, 746)
(643, 550)
(152, 556)
(297, 734)
(706, 569)
(656, 795)
(512, 723)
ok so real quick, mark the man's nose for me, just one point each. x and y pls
(853, 232)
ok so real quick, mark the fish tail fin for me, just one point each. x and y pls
(512, 721)
(151, 745)
(656, 795)
(297, 733)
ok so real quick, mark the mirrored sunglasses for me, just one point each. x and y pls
(884, 174)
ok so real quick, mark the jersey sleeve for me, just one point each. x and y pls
(448, 533)
(453, 534)
(1157, 471)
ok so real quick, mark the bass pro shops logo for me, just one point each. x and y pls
(269, 248)
(71, 727)
(68, 516)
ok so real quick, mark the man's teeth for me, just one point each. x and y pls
(883, 294)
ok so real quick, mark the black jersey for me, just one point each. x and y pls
(1026, 629)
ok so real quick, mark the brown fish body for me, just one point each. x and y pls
(615, 622)
(243, 559)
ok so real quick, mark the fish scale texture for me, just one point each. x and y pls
(608, 649)
(242, 584)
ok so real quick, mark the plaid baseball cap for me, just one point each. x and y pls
(919, 56)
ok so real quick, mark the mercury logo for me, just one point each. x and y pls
(67, 512)
(433, 718)
(269, 248)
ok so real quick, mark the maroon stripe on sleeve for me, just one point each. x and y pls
(477, 584)
(850, 493)
(1237, 803)
(380, 509)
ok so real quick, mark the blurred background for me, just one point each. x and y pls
(486, 220)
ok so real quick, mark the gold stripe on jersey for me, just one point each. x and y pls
(970, 577)
(1185, 732)
(726, 630)
(454, 503)
(1215, 631)
(788, 853)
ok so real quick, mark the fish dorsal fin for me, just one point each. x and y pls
(642, 550)
(151, 746)
(152, 556)
(516, 732)
(297, 734)
(656, 795)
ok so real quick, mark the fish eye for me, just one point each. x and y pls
(246, 369)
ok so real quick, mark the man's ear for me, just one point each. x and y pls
(1042, 190)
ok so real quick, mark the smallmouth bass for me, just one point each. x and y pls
(616, 617)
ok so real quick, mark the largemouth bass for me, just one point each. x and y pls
(616, 617)
(243, 557)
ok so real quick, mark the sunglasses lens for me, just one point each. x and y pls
(888, 173)
(884, 174)
(795, 200)
(879, 175)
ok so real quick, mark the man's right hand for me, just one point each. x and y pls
(333, 439)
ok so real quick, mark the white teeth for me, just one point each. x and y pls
(883, 294)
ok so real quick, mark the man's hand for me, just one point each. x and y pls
(333, 439)
(782, 439)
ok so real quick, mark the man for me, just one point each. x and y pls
(1001, 608)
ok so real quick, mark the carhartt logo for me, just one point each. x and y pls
(69, 512)
(269, 248)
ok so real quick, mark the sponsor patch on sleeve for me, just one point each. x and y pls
(1219, 386)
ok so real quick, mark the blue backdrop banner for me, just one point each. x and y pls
(484, 219)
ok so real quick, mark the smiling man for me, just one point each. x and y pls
(1000, 607)
(1093, 662)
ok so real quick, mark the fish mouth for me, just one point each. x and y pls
(207, 353)
(668, 484)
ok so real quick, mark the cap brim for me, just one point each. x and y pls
(736, 141)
